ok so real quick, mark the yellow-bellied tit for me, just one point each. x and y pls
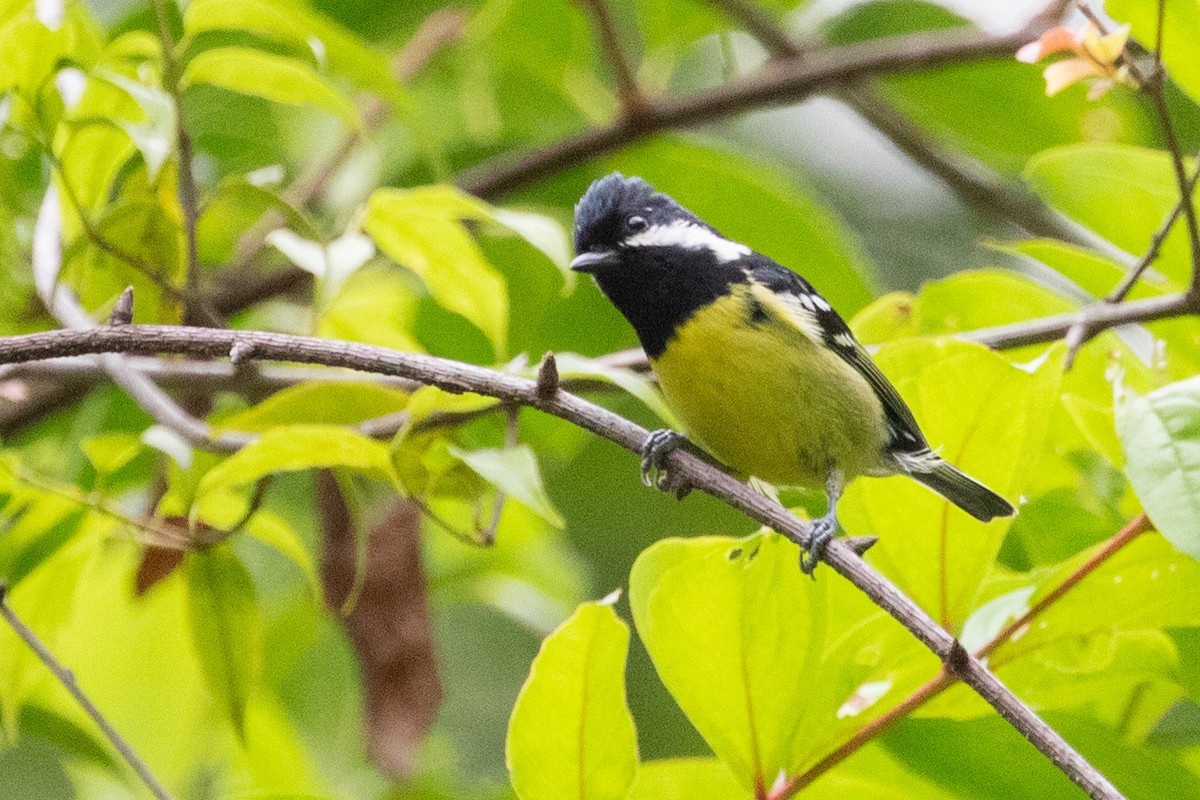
(762, 371)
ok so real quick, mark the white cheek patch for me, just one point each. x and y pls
(689, 236)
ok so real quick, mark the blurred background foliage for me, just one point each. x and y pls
(277, 623)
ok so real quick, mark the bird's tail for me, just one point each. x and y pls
(961, 489)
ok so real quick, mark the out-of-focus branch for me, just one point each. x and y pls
(632, 99)
(240, 286)
(189, 195)
(1121, 291)
(972, 181)
(1091, 320)
(782, 82)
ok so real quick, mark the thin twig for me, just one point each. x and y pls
(457, 377)
(759, 23)
(67, 679)
(1135, 528)
(633, 101)
(1181, 178)
(189, 195)
(1121, 291)
(102, 243)
(1091, 319)
(945, 678)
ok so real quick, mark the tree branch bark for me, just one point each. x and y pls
(458, 378)
(780, 83)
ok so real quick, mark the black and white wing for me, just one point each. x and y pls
(815, 316)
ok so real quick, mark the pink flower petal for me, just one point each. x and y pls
(1055, 40)
(1064, 73)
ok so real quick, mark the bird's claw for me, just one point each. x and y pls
(820, 533)
(659, 445)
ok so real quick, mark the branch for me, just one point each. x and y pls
(1091, 320)
(189, 196)
(67, 679)
(971, 180)
(1121, 291)
(633, 102)
(458, 378)
(944, 679)
(1185, 184)
(779, 84)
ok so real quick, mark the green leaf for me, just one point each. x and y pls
(274, 530)
(514, 471)
(225, 627)
(1180, 32)
(734, 629)
(686, 779)
(571, 734)
(220, 500)
(986, 416)
(333, 403)
(1160, 436)
(289, 22)
(422, 230)
(1095, 274)
(573, 365)
(154, 134)
(1121, 192)
(269, 76)
(1097, 425)
(109, 452)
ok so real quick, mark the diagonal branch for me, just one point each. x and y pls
(457, 377)
(632, 100)
(972, 181)
(944, 679)
(781, 83)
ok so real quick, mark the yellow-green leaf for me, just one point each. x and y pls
(225, 627)
(571, 734)
(422, 230)
(269, 76)
(514, 471)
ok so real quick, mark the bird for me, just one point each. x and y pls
(763, 373)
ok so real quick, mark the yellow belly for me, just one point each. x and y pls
(768, 401)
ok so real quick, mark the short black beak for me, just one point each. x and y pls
(591, 262)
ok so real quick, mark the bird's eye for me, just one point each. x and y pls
(636, 224)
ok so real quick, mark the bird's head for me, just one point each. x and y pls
(617, 214)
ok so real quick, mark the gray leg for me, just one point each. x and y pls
(822, 529)
(658, 446)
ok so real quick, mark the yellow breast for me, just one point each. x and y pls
(758, 393)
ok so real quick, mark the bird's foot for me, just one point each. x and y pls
(820, 532)
(659, 445)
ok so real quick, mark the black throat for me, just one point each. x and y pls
(660, 288)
